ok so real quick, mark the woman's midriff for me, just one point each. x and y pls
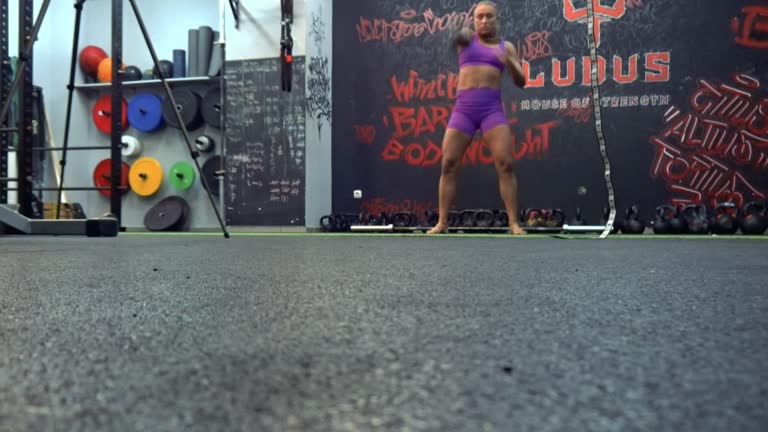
(479, 76)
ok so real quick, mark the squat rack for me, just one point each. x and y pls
(22, 84)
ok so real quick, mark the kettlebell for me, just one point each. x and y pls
(554, 217)
(724, 220)
(468, 219)
(676, 222)
(577, 220)
(616, 221)
(500, 219)
(632, 223)
(534, 218)
(484, 218)
(661, 221)
(695, 216)
(403, 219)
(754, 219)
(326, 222)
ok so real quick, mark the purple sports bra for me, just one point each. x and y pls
(478, 54)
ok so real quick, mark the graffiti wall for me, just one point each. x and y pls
(683, 98)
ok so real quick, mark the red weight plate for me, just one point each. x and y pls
(102, 114)
(102, 176)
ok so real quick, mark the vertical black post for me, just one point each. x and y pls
(5, 83)
(24, 151)
(70, 89)
(117, 107)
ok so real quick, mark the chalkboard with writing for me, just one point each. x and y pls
(265, 155)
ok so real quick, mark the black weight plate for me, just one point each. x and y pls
(188, 104)
(184, 222)
(209, 169)
(211, 108)
(164, 215)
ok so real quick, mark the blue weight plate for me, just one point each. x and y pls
(145, 112)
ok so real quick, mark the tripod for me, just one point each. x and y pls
(116, 109)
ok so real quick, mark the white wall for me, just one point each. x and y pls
(259, 32)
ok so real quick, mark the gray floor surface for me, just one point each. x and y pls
(382, 334)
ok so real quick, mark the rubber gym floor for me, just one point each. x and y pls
(383, 332)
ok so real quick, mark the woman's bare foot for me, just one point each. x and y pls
(516, 230)
(438, 229)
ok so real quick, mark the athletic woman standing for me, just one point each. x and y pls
(483, 57)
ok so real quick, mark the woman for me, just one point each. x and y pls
(483, 57)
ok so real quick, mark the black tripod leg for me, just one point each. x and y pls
(71, 89)
(192, 151)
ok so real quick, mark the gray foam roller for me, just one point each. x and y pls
(192, 50)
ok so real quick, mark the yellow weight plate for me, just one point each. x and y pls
(146, 176)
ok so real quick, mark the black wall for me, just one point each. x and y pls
(676, 44)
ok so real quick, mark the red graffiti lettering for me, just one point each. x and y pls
(727, 123)
(417, 121)
(415, 88)
(365, 134)
(752, 30)
(377, 206)
(534, 144)
(565, 73)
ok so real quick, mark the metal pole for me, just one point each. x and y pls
(5, 78)
(117, 108)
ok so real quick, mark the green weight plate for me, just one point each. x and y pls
(182, 175)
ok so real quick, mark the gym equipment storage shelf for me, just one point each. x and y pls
(149, 83)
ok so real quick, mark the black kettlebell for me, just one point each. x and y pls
(326, 223)
(676, 222)
(616, 221)
(500, 219)
(725, 219)
(484, 218)
(632, 223)
(754, 219)
(403, 219)
(577, 220)
(454, 219)
(661, 221)
(695, 216)
(432, 217)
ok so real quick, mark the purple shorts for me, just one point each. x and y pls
(477, 108)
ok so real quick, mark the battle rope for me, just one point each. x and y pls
(599, 119)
